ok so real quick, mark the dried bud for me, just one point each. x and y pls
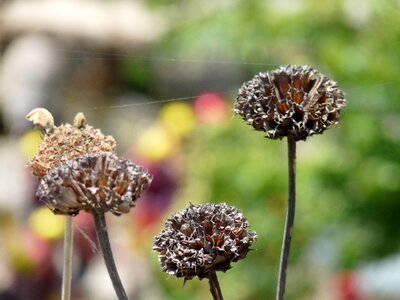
(93, 182)
(68, 142)
(42, 118)
(203, 239)
(292, 100)
(80, 120)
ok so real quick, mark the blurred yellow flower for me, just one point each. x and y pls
(29, 144)
(156, 143)
(178, 117)
(44, 224)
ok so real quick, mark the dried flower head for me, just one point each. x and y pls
(292, 100)
(68, 142)
(93, 182)
(203, 239)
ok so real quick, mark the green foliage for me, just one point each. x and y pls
(136, 73)
(348, 178)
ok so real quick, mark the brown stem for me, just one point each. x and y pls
(214, 287)
(102, 236)
(287, 235)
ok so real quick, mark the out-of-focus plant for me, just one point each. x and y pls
(349, 178)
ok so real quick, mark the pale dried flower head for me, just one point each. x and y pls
(68, 142)
(203, 239)
(292, 100)
(90, 182)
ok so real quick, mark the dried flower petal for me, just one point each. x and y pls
(292, 100)
(41, 118)
(68, 142)
(93, 182)
(203, 239)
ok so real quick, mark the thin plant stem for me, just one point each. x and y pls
(287, 235)
(102, 236)
(215, 289)
(67, 268)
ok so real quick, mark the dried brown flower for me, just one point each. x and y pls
(292, 100)
(203, 239)
(93, 182)
(68, 142)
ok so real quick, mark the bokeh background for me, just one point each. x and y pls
(161, 77)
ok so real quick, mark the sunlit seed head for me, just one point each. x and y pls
(203, 239)
(93, 182)
(292, 100)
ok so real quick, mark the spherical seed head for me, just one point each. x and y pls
(93, 182)
(292, 100)
(202, 239)
(68, 142)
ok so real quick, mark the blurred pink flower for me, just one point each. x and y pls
(211, 108)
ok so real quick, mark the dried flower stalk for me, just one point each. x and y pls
(60, 145)
(294, 102)
(98, 184)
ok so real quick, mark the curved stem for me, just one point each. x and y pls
(102, 236)
(67, 268)
(287, 235)
(215, 289)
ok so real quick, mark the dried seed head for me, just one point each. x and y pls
(292, 100)
(68, 142)
(41, 118)
(93, 182)
(203, 239)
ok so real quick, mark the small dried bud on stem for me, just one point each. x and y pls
(80, 120)
(41, 118)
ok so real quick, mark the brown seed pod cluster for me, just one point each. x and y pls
(93, 182)
(68, 142)
(203, 239)
(292, 100)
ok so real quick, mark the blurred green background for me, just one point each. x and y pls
(348, 178)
